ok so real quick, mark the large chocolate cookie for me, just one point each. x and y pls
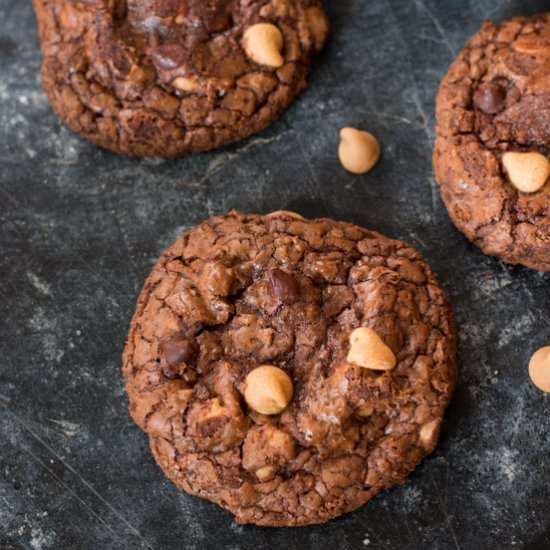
(166, 77)
(493, 140)
(245, 368)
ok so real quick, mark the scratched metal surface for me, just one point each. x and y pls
(80, 229)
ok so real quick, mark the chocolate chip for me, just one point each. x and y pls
(490, 98)
(215, 15)
(178, 350)
(513, 96)
(168, 56)
(168, 8)
(119, 8)
(120, 59)
(170, 372)
(284, 286)
(190, 376)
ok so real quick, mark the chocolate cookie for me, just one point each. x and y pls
(289, 369)
(166, 77)
(493, 140)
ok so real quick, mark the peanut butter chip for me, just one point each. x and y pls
(185, 84)
(263, 44)
(268, 390)
(539, 369)
(528, 172)
(369, 351)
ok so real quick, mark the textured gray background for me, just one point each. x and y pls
(80, 229)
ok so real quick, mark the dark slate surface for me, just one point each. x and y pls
(80, 228)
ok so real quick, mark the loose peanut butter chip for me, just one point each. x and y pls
(268, 390)
(369, 351)
(528, 172)
(539, 369)
(359, 151)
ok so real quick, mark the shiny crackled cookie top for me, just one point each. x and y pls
(281, 350)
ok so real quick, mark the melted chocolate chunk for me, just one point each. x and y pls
(284, 286)
(119, 8)
(178, 350)
(168, 56)
(171, 372)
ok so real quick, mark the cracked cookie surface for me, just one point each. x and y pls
(239, 291)
(495, 100)
(167, 77)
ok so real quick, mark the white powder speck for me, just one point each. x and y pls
(492, 284)
(236, 528)
(40, 540)
(508, 463)
(37, 283)
(523, 325)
